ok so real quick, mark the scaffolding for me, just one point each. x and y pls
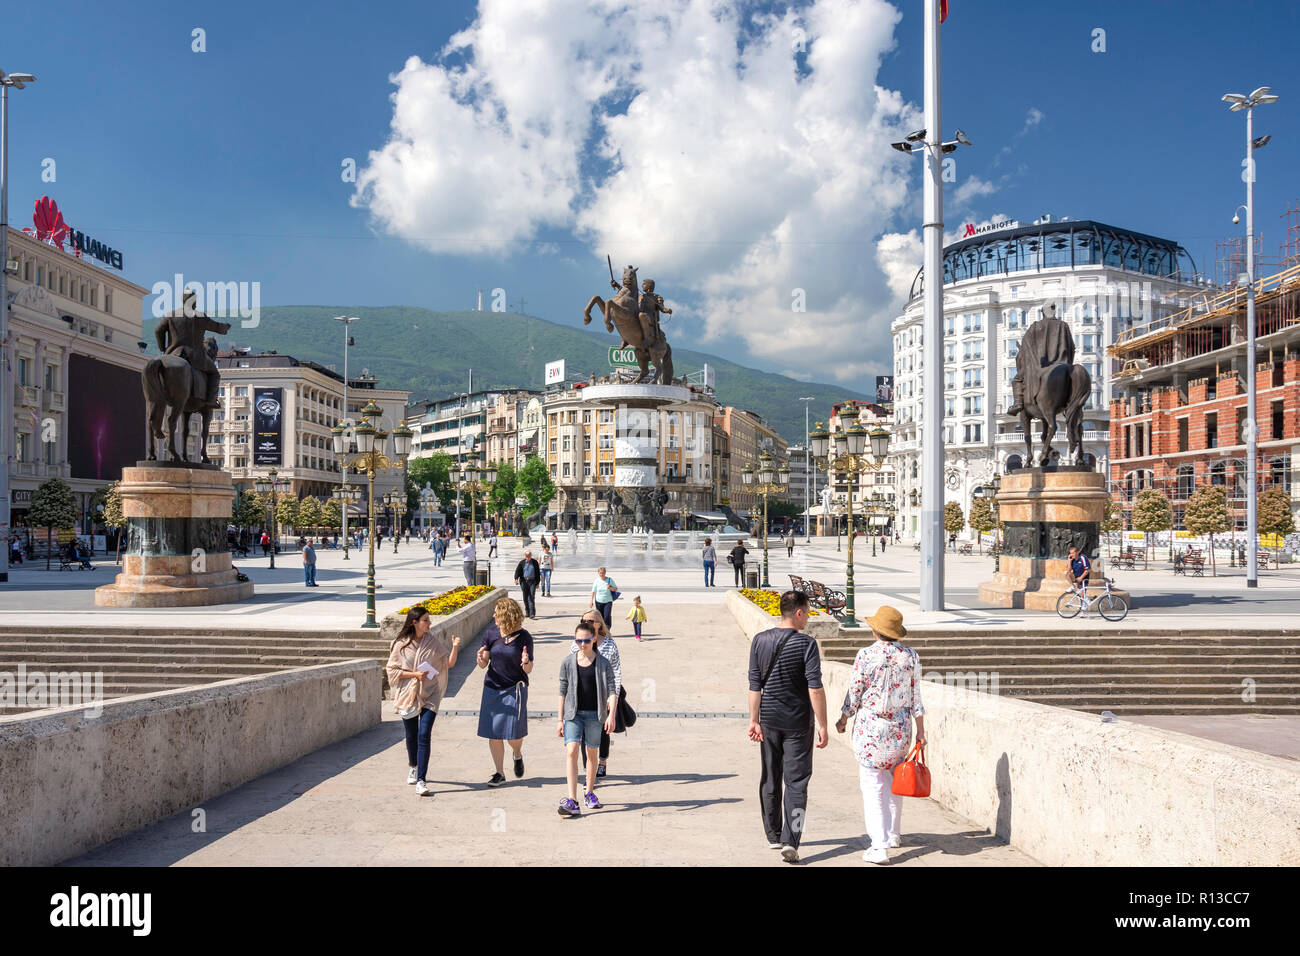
(1230, 260)
(1289, 253)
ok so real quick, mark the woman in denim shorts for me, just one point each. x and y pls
(588, 696)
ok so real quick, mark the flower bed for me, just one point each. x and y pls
(452, 600)
(770, 601)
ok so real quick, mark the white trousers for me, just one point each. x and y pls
(882, 808)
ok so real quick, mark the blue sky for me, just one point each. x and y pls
(226, 164)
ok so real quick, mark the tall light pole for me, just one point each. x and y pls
(808, 472)
(931, 142)
(1260, 97)
(18, 81)
(772, 480)
(347, 320)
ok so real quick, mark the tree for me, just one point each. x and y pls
(953, 519)
(504, 489)
(780, 508)
(310, 514)
(1152, 512)
(332, 514)
(286, 510)
(981, 518)
(533, 481)
(110, 496)
(53, 506)
(249, 510)
(1207, 513)
(1110, 521)
(1274, 515)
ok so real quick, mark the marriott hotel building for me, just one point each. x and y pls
(1102, 279)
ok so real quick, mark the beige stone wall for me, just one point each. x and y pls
(72, 783)
(1070, 790)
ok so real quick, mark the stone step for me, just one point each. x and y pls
(82, 659)
(1090, 641)
(1284, 682)
(185, 640)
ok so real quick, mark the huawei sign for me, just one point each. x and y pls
(50, 227)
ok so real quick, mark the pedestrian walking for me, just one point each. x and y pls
(636, 614)
(555, 543)
(528, 574)
(737, 559)
(418, 666)
(603, 593)
(883, 698)
(607, 649)
(435, 545)
(588, 698)
(309, 564)
(266, 543)
(789, 545)
(548, 566)
(785, 698)
(883, 539)
(492, 546)
(507, 653)
(710, 555)
(468, 555)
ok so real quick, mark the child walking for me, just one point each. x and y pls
(636, 614)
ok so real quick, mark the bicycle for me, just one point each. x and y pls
(1110, 606)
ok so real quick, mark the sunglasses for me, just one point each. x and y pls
(583, 640)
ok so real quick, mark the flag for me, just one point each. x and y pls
(943, 10)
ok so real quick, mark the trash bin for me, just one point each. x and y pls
(483, 573)
(751, 576)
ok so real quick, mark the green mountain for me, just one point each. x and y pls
(430, 353)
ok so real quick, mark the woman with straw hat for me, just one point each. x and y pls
(884, 696)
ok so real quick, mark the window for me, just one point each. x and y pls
(1212, 430)
(586, 417)
(950, 325)
(1186, 478)
(22, 370)
(950, 380)
(974, 405)
(950, 407)
(566, 442)
(1182, 437)
(1013, 348)
(973, 378)
(1277, 415)
(950, 353)
(974, 321)
(554, 445)
(1090, 342)
(241, 391)
(973, 433)
(1240, 437)
(586, 469)
(974, 350)
(606, 416)
(586, 443)
(947, 435)
(553, 469)
(606, 469)
(565, 471)
(108, 300)
(48, 448)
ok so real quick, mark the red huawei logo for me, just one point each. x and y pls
(49, 223)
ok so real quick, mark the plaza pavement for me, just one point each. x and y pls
(682, 790)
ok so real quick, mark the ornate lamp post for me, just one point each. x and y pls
(849, 456)
(765, 480)
(428, 503)
(272, 485)
(396, 502)
(346, 496)
(473, 479)
(991, 493)
(370, 458)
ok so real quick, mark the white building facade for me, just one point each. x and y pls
(1102, 279)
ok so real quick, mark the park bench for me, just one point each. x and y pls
(1127, 561)
(799, 584)
(1196, 564)
(965, 549)
(825, 598)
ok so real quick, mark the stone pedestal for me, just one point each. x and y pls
(177, 554)
(1044, 511)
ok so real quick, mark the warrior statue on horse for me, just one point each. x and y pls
(1048, 383)
(183, 381)
(635, 315)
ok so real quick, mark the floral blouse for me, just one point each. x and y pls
(884, 694)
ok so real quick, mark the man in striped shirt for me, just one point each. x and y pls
(785, 695)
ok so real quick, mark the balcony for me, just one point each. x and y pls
(53, 401)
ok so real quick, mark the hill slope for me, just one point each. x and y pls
(430, 353)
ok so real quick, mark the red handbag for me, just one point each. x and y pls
(912, 776)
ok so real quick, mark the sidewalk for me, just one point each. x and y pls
(682, 790)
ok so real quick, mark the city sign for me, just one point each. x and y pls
(623, 358)
(555, 372)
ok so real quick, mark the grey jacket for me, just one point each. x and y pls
(606, 686)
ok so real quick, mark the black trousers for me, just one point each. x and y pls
(740, 571)
(787, 758)
(530, 596)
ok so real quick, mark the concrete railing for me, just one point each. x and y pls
(465, 622)
(1068, 789)
(72, 783)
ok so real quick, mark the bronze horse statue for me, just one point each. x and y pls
(172, 384)
(1048, 383)
(621, 313)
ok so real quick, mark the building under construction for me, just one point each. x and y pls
(1178, 411)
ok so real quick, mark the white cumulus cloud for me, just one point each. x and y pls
(691, 138)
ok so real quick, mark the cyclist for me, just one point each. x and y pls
(1080, 569)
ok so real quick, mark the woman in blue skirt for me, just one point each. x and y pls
(507, 653)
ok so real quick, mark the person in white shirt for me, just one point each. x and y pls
(468, 553)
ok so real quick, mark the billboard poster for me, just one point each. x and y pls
(105, 412)
(268, 426)
(555, 373)
(885, 389)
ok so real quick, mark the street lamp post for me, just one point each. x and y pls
(992, 494)
(347, 321)
(272, 485)
(396, 502)
(1259, 97)
(428, 504)
(808, 472)
(18, 81)
(370, 457)
(472, 479)
(849, 456)
(346, 496)
(768, 479)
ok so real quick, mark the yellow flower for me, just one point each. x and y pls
(769, 601)
(452, 600)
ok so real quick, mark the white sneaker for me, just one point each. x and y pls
(895, 843)
(422, 789)
(875, 855)
(412, 776)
